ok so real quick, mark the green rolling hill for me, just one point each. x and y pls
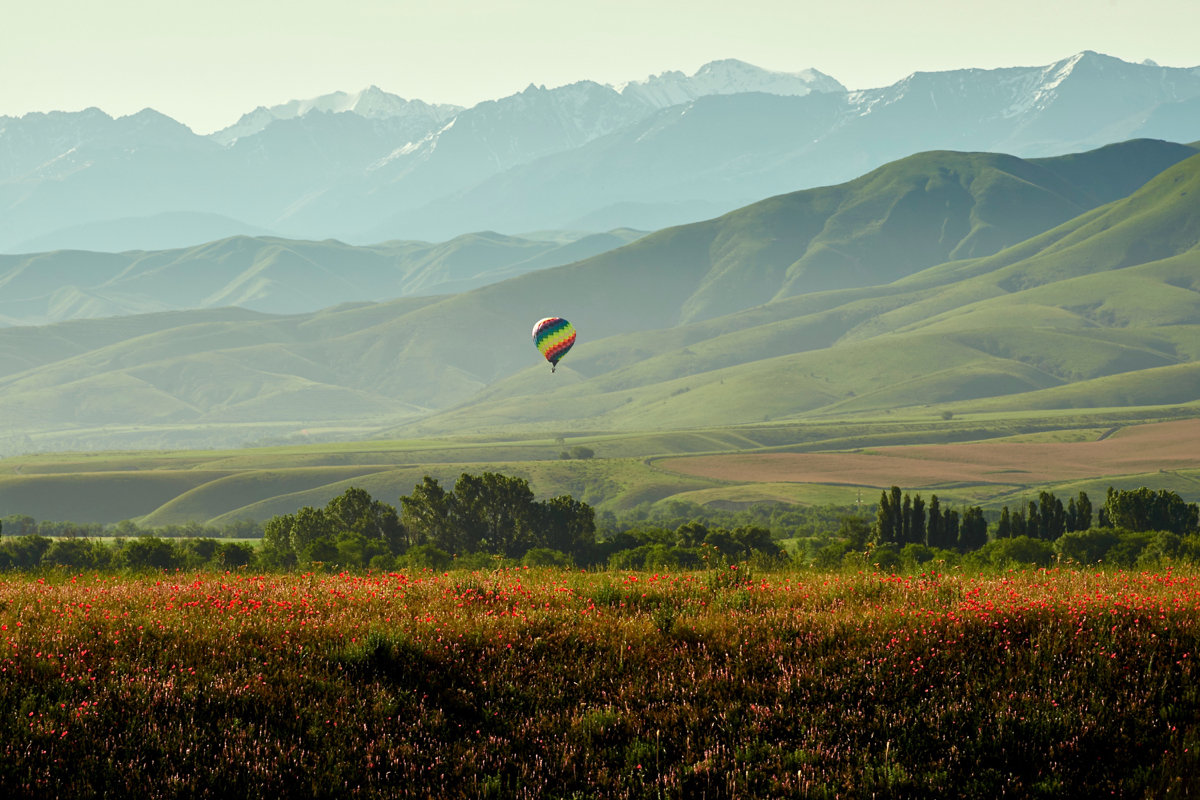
(974, 284)
(1085, 300)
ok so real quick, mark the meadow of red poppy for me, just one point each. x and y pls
(529, 683)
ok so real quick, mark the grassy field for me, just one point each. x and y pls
(986, 460)
(520, 683)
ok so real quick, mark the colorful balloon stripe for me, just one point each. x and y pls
(553, 337)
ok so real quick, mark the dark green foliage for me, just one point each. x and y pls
(1079, 513)
(149, 553)
(1125, 548)
(350, 531)
(18, 525)
(1162, 548)
(692, 545)
(914, 555)
(1016, 551)
(545, 557)
(901, 520)
(427, 515)
(355, 511)
(428, 555)
(890, 518)
(500, 515)
(915, 529)
(1052, 521)
(950, 527)
(972, 531)
(233, 555)
(77, 554)
(691, 534)
(1017, 525)
(1004, 525)
(1087, 547)
(494, 513)
(855, 530)
(933, 530)
(831, 556)
(885, 527)
(1046, 518)
(1146, 510)
(886, 558)
(497, 514)
(23, 552)
(321, 551)
(1128, 550)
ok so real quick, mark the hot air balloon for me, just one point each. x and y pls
(553, 337)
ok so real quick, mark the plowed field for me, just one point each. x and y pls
(1133, 450)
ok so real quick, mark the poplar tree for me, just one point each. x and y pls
(916, 525)
(933, 529)
(950, 527)
(973, 532)
(1004, 526)
(1083, 512)
(884, 531)
(906, 519)
(1052, 520)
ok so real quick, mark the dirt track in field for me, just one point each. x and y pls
(1132, 450)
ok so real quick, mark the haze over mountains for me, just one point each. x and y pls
(270, 274)
(942, 281)
(370, 167)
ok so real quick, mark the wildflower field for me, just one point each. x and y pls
(545, 683)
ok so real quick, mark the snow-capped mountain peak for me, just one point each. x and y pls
(372, 103)
(727, 76)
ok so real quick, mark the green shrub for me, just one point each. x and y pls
(1129, 547)
(1087, 547)
(885, 558)
(76, 554)
(428, 555)
(545, 557)
(1017, 551)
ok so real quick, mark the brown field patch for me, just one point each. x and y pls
(1133, 450)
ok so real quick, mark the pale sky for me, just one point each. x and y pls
(206, 62)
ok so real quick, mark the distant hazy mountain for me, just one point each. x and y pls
(155, 232)
(270, 274)
(970, 281)
(672, 148)
(723, 152)
(372, 103)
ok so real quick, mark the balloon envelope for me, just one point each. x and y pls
(553, 337)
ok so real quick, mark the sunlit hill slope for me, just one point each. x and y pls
(957, 280)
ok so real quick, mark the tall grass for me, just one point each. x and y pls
(543, 683)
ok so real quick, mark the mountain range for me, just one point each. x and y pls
(370, 167)
(968, 282)
(270, 274)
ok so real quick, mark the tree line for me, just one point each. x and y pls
(493, 516)
(901, 519)
(146, 552)
(907, 520)
(25, 525)
(1136, 526)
